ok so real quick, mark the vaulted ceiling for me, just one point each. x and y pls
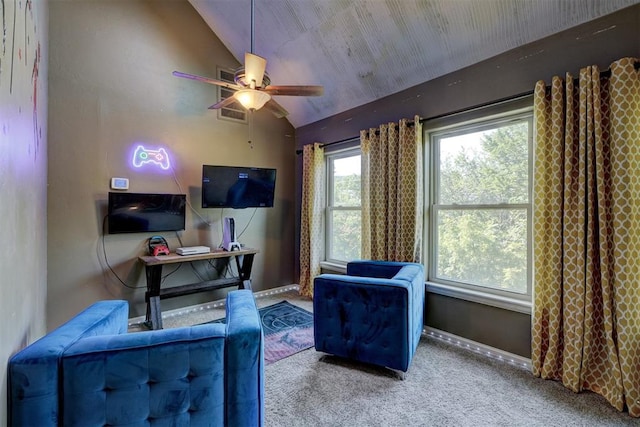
(363, 50)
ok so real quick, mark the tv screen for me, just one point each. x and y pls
(237, 187)
(144, 212)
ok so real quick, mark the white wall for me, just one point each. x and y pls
(111, 87)
(23, 173)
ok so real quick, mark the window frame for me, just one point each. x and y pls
(330, 157)
(477, 120)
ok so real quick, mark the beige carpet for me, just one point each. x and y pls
(445, 386)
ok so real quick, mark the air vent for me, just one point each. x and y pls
(233, 112)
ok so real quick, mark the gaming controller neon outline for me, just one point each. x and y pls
(143, 155)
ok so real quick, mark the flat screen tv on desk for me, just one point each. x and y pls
(145, 212)
(237, 187)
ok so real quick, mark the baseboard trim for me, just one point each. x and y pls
(213, 304)
(479, 348)
(470, 345)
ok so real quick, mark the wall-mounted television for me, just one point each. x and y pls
(145, 212)
(237, 187)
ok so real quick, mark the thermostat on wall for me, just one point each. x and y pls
(119, 183)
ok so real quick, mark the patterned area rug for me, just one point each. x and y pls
(288, 329)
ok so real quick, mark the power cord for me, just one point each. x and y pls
(248, 223)
(169, 274)
(179, 239)
(106, 259)
(175, 178)
(243, 230)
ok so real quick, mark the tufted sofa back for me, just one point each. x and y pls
(90, 372)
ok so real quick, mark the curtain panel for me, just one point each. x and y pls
(312, 216)
(586, 320)
(392, 191)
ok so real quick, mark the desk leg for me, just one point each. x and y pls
(152, 296)
(245, 264)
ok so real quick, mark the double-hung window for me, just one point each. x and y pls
(481, 208)
(478, 237)
(343, 215)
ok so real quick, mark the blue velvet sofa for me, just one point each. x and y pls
(91, 372)
(373, 314)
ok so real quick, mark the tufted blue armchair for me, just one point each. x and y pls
(373, 314)
(91, 372)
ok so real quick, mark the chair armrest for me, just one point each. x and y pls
(33, 372)
(132, 378)
(245, 360)
(379, 269)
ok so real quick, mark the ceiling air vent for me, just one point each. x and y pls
(234, 112)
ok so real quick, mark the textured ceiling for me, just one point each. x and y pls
(363, 50)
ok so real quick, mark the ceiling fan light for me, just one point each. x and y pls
(252, 99)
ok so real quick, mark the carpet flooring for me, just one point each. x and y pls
(287, 329)
(445, 386)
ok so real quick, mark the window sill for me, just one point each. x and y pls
(503, 302)
(333, 267)
(506, 303)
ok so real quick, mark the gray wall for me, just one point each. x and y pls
(111, 87)
(23, 181)
(598, 42)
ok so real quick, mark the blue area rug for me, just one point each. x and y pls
(288, 329)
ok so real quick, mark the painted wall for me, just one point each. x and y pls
(598, 42)
(23, 180)
(111, 87)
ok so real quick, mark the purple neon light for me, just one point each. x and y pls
(143, 156)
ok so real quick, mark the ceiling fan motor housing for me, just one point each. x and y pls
(239, 78)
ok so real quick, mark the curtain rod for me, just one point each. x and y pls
(604, 74)
(326, 144)
(411, 122)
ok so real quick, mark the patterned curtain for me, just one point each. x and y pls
(586, 322)
(392, 191)
(312, 216)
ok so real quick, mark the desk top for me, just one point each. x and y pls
(173, 258)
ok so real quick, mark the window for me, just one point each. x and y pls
(478, 205)
(480, 222)
(343, 206)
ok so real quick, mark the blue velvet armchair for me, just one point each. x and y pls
(373, 314)
(91, 372)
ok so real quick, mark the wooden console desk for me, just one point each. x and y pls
(153, 268)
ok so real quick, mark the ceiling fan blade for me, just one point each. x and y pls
(277, 109)
(294, 90)
(254, 67)
(207, 80)
(224, 103)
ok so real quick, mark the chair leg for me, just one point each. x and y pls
(337, 360)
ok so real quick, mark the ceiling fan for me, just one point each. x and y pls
(253, 88)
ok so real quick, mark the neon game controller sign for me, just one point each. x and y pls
(144, 156)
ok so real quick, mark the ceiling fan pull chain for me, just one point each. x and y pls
(250, 141)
